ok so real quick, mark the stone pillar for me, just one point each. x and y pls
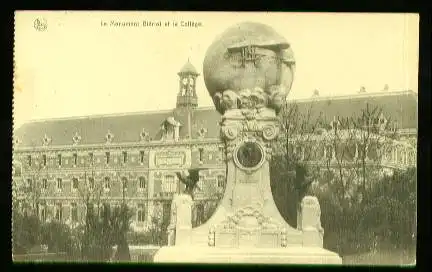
(183, 219)
(310, 222)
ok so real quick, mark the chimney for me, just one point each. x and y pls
(315, 93)
(386, 88)
(362, 89)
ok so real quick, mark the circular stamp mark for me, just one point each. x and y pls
(40, 24)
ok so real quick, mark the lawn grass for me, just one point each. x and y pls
(383, 257)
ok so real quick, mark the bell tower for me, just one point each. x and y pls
(187, 97)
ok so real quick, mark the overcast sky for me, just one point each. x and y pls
(78, 67)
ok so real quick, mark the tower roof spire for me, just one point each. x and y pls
(188, 68)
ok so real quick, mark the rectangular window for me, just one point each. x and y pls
(91, 183)
(43, 213)
(74, 212)
(107, 156)
(74, 183)
(201, 151)
(29, 160)
(59, 159)
(91, 157)
(141, 213)
(142, 156)
(75, 158)
(59, 184)
(222, 152)
(124, 157)
(29, 183)
(142, 184)
(44, 184)
(107, 183)
(169, 184)
(44, 160)
(59, 212)
(220, 181)
(124, 183)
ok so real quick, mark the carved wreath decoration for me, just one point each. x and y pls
(230, 132)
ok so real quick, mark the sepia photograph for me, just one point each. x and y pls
(215, 138)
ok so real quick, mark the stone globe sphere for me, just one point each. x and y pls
(249, 56)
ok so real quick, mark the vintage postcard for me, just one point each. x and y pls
(277, 138)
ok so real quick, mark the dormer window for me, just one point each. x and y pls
(109, 137)
(202, 132)
(144, 135)
(76, 138)
(46, 140)
(170, 129)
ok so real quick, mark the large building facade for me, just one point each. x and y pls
(134, 157)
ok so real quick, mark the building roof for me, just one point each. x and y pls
(400, 107)
(188, 68)
(202, 122)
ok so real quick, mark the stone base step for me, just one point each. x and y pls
(288, 255)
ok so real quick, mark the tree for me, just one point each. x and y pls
(105, 226)
(291, 176)
(345, 165)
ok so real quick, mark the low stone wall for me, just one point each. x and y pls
(41, 257)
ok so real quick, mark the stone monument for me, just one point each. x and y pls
(248, 72)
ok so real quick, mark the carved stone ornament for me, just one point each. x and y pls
(230, 131)
(270, 132)
(249, 218)
(46, 140)
(109, 137)
(76, 138)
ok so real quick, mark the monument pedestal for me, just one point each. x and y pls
(288, 255)
(248, 72)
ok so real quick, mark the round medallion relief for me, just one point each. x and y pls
(249, 155)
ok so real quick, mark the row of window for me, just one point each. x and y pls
(169, 183)
(91, 183)
(58, 212)
(107, 157)
(90, 156)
